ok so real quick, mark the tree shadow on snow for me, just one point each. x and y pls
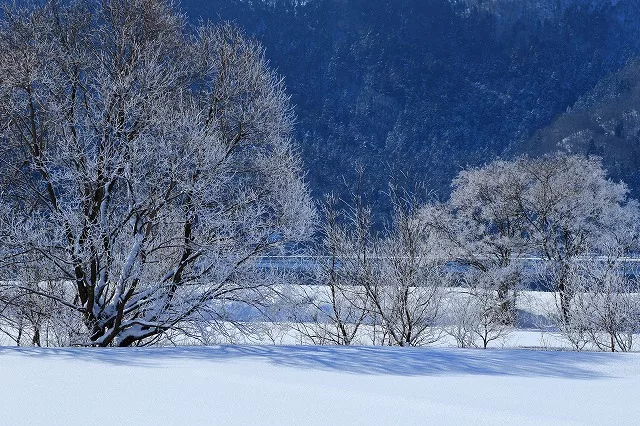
(355, 360)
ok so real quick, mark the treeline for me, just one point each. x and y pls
(394, 287)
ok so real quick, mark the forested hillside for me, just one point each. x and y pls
(426, 87)
(604, 122)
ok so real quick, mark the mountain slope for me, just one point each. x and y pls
(429, 86)
(603, 122)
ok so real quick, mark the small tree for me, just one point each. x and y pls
(389, 285)
(412, 272)
(605, 309)
(476, 316)
(346, 267)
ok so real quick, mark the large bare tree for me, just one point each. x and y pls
(145, 163)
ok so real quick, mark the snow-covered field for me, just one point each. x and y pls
(274, 384)
(316, 385)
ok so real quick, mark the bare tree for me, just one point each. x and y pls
(605, 308)
(476, 316)
(146, 164)
(413, 277)
(347, 266)
(382, 288)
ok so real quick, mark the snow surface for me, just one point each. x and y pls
(305, 385)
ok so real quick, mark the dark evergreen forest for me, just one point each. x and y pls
(422, 88)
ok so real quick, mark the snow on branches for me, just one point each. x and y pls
(145, 163)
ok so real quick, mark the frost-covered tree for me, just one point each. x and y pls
(483, 230)
(475, 315)
(605, 306)
(564, 211)
(488, 227)
(146, 163)
(413, 276)
(572, 210)
(557, 208)
(347, 265)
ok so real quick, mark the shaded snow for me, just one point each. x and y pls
(316, 385)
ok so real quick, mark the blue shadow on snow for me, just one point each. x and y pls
(355, 360)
